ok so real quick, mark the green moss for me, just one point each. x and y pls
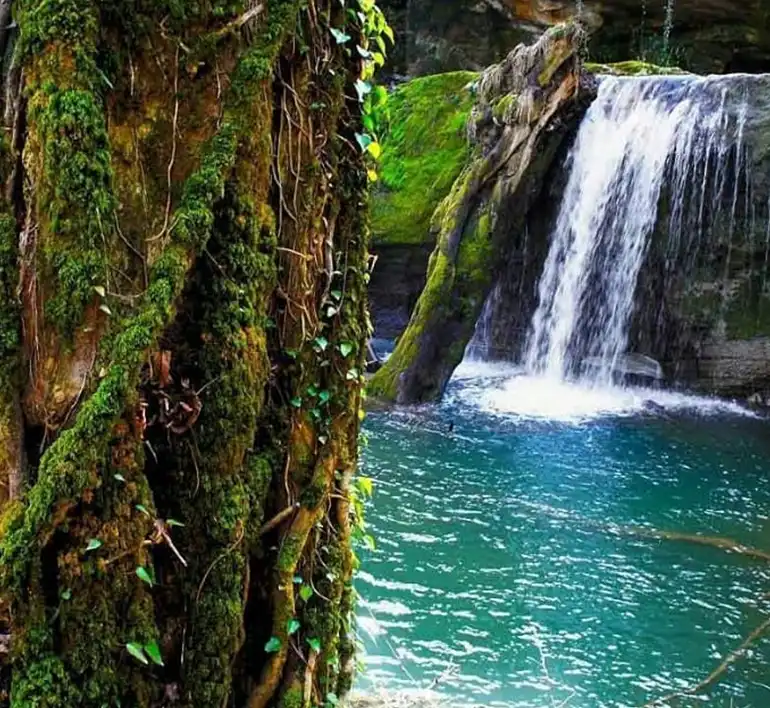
(632, 68)
(454, 284)
(504, 105)
(292, 698)
(424, 150)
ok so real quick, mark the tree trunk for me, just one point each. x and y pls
(183, 267)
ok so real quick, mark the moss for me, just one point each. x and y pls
(561, 49)
(632, 68)
(459, 269)
(75, 463)
(424, 150)
(292, 698)
(504, 106)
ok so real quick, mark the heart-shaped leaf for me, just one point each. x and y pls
(144, 575)
(305, 592)
(93, 544)
(363, 140)
(293, 626)
(315, 644)
(153, 651)
(137, 652)
(339, 36)
(346, 348)
(273, 645)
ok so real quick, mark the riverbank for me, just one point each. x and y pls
(400, 699)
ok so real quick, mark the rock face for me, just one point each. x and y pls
(707, 36)
(526, 105)
(703, 312)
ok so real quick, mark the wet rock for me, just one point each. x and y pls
(526, 106)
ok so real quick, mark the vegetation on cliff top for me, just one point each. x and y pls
(424, 150)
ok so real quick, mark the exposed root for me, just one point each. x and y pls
(278, 519)
(291, 551)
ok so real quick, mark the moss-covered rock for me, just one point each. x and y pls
(525, 107)
(632, 68)
(425, 148)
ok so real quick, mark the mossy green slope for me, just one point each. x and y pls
(425, 149)
(633, 68)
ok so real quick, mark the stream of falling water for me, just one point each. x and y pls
(637, 135)
(667, 27)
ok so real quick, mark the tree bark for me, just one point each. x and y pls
(183, 318)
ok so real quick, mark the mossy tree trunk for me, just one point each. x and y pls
(183, 261)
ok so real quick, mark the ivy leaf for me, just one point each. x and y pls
(375, 150)
(339, 36)
(93, 544)
(324, 396)
(119, 477)
(364, 141)
(143, 575)
(153, 651)
(336, 294)
(346, 348)
(305, 592)
(320, 343)
(315, 644)
(137, 652)
(106, 310)
(332, 700)
(273, 645)
(66, 594)
(174, 522)
(362, 89)
(365, 485)
(372, 176)
(296, 402)
(365, 53)
(100, 291)
(293, 626)
(143, 509)
(297, 580)
(352, 375)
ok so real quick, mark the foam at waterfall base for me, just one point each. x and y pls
(502, 389)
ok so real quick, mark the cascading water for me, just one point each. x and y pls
(638, 135)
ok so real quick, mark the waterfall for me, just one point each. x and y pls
(667, 27)
(638, 136)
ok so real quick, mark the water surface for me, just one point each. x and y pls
(500, 577)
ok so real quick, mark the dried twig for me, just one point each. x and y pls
(717, 673)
